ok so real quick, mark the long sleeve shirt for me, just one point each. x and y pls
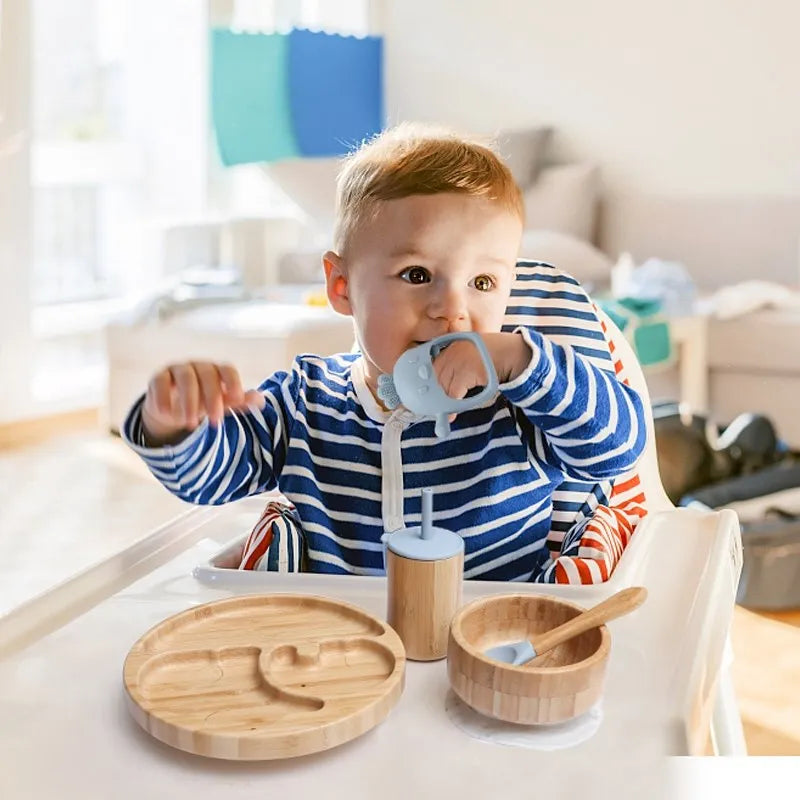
(355, 471)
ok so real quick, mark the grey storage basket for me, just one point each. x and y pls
(771, 572)
(770, 577)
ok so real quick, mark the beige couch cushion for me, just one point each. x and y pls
(577, 257)
(564, 198)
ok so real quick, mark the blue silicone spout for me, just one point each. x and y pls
(426, 529)
(424, 542)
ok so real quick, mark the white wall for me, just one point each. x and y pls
(683, 97)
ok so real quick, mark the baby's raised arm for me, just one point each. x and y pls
(207, 440)
(180, 396)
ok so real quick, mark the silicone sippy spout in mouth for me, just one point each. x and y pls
(413, 382)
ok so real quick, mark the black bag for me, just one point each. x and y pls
(769, 480)
(694, 452)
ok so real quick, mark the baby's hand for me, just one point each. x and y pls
(180, 396)
(459, 367)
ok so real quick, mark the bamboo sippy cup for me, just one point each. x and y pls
(424, 569)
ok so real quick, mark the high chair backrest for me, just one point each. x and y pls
(591, 521)
(649, 475)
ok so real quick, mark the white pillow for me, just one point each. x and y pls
(564, 198)
(579, 258)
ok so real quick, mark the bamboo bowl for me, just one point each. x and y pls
(556, 686)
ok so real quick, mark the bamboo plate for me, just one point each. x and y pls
(264, 676)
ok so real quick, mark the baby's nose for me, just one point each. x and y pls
(448, 302)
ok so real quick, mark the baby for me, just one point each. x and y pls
(427, 237)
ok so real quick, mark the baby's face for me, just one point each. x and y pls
(424, 266)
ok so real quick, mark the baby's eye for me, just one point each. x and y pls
(416, 275)
(483, 283)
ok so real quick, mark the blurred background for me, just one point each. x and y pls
(657, 146)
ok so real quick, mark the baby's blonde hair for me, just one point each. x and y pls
(414, 158)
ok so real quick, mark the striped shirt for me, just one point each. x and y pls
(354, 471)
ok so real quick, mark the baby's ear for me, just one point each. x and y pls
(336, 283)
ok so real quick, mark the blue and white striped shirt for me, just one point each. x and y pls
(354, 470)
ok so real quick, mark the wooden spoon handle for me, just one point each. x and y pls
(615, 606)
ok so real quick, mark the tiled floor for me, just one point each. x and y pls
(71, 501)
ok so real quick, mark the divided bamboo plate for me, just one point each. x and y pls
(264, 676)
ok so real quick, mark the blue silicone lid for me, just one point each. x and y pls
(425, 542)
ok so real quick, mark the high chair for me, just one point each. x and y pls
(727, 732)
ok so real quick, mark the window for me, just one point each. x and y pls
(77, 116)
(121, 149)
(121, 142)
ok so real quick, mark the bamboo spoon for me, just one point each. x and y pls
(518, 653)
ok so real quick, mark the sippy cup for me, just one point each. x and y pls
(424, 570)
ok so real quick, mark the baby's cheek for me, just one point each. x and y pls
(380, 347)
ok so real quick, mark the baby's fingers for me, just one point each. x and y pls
(451, 378)
(233, 394)
(211, 397)
(188, 391)
(159, 398)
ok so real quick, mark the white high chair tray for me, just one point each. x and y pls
(63, 701)
(221, 570)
